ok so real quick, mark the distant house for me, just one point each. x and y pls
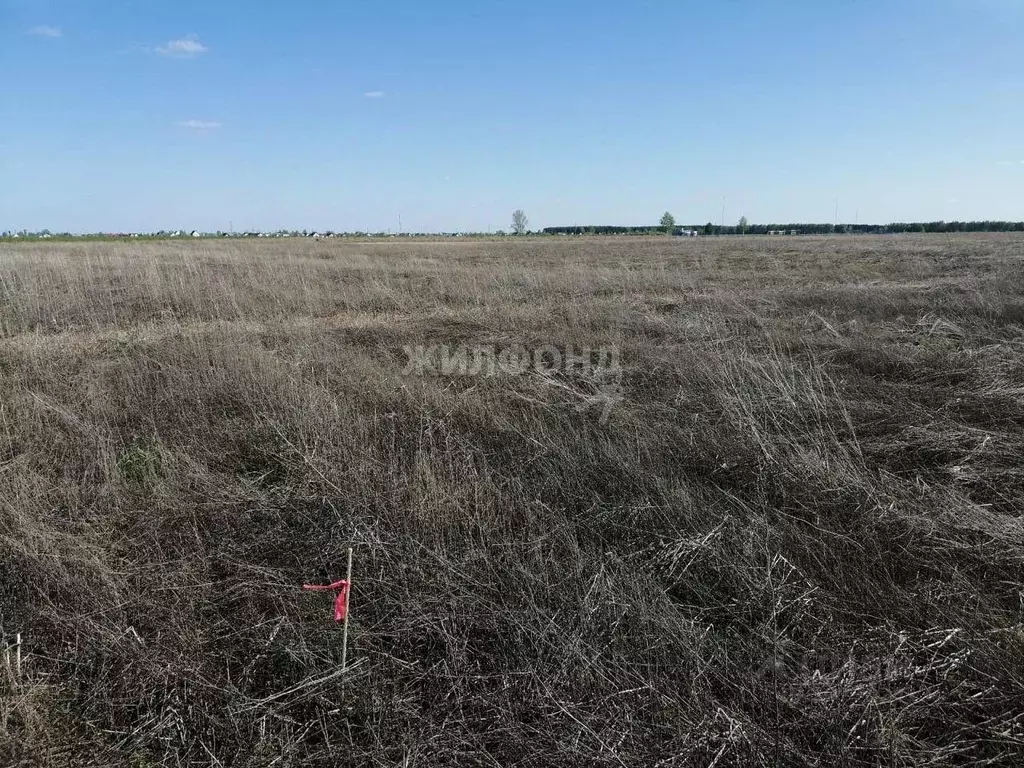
(195, 233)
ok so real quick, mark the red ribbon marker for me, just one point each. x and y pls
(340, 602)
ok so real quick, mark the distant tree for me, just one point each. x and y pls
(742, 226)
(709, 228)
(668, 223)
(519, 222)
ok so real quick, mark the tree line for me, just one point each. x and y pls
(800, 229)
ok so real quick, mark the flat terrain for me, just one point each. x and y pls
(795, 538)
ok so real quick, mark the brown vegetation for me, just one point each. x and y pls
(796, 541)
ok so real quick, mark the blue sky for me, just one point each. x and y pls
(150, 114)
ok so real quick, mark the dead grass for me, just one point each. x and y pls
(796, 541)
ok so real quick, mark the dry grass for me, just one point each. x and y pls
(797, 541)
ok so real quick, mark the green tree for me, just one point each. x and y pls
(519, 222)
(668, 223)
(742, 226)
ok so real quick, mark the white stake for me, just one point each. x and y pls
(348, 592)
(17, 655)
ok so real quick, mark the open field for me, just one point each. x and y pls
(797, 539)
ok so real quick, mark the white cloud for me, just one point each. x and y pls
(198, 125)
(375, 94)
(184, 48)
(45, 30)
